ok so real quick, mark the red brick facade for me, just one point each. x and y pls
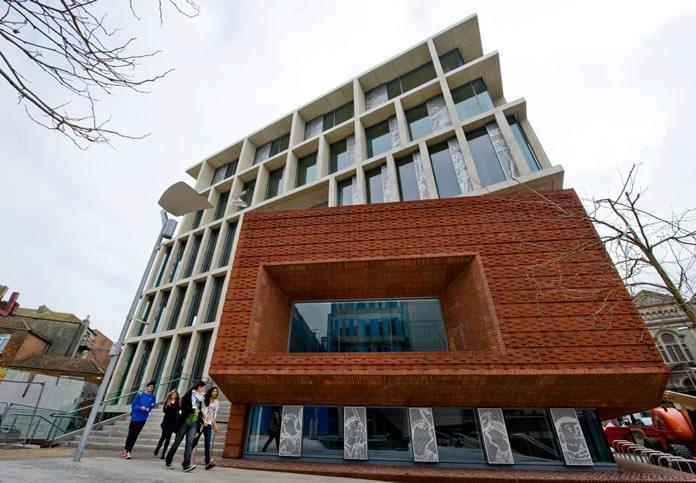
(535, 313)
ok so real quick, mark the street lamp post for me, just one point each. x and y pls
(178, 200)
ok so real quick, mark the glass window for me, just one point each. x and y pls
(306, 169)
(163, 265)
(531, 435)
(145, 313)
(214, 299)
(219, 174)
(4, 340)
(366, 326)
(458, 438)
(201, 353)
(408, 184)
(338, 156)
(179, 361)
(135, 385)
(197, 219)
(338, 116)
(345, 192)
(322, 432)
(208, 257)
(174, 271)
(194, 254)
(451, 60)
(231, 168)
(227, 245)
(160, 312)
(344, 113)
(195, 303)
(472, 99)
(275, 180)
(419, 124)
(264, 429)
(443, 168)
(248, 191)
(594, 435)
(178, 302)
(221, 205)
(388, 434)
(485, 158)
(524, 145)
(375, 190)
(128, 355)
(279, 145)
(378, 139)
(410, 80)
(161, 358)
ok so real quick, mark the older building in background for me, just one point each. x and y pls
(675, 337)
(432, 122)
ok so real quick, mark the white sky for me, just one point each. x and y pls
(607, 84)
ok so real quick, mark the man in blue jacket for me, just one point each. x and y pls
(140, 409)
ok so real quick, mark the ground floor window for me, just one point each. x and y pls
(448, 435)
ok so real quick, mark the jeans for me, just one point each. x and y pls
(271, 436)
(189, 431)
(134, 429)
(164, 441)
(208, 435)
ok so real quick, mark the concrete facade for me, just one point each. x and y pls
(182, 303)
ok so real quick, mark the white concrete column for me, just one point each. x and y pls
(323, 158)
(290, 172)
(246, 157)
(359, 196)
(261, 185)
(333, 192)
(435, 57)
(297, 128)
(428, 173)
(358, 98)
(402, 123)
(468, 158)
(392, 179)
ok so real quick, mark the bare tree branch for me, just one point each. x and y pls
(69, 42)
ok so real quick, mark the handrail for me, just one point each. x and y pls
(122, 395)
(76, 431)
(34, 417)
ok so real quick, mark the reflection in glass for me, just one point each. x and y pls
(248, 191)
(322, 432)
(524, 145)
(375, 189)
(451, 60)
(367, 326)
(408, 185)
(388, 434)
(264, 429)
(531, 435)
(472, 99)
(378, 139)
(485, 158)
(306, 169)
(457, 435)
(338, 156)
(443, 168)
(345, 192)
(275, 178)
(594, 435)
(419, 124)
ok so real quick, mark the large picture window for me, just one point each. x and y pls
(531, 435)
(367, 326)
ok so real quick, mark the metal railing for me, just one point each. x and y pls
(630, 451)
(20, 423)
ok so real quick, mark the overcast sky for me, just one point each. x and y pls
(607, 84)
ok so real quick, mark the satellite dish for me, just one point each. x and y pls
(180, 199)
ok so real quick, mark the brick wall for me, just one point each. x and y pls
(22, 345)
(568, 333)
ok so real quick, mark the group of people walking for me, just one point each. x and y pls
(186, 417)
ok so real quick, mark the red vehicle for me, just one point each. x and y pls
(672, 430)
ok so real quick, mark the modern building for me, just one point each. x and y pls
(675, 337)
(431, 122)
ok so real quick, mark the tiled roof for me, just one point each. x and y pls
(45, 313)
(67, 365)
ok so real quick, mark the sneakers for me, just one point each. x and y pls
(210, 465)
(127, 455)
(189, 468)
(124, 453)
(168, 465)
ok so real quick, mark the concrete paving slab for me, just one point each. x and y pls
(111, 469)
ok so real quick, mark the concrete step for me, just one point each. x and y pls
(144, 441)
(139, 448)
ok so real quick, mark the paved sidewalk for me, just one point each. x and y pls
(112, 469)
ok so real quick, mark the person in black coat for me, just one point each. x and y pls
(188, 425)
(171, 410)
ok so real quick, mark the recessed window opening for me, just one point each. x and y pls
(389, 325)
